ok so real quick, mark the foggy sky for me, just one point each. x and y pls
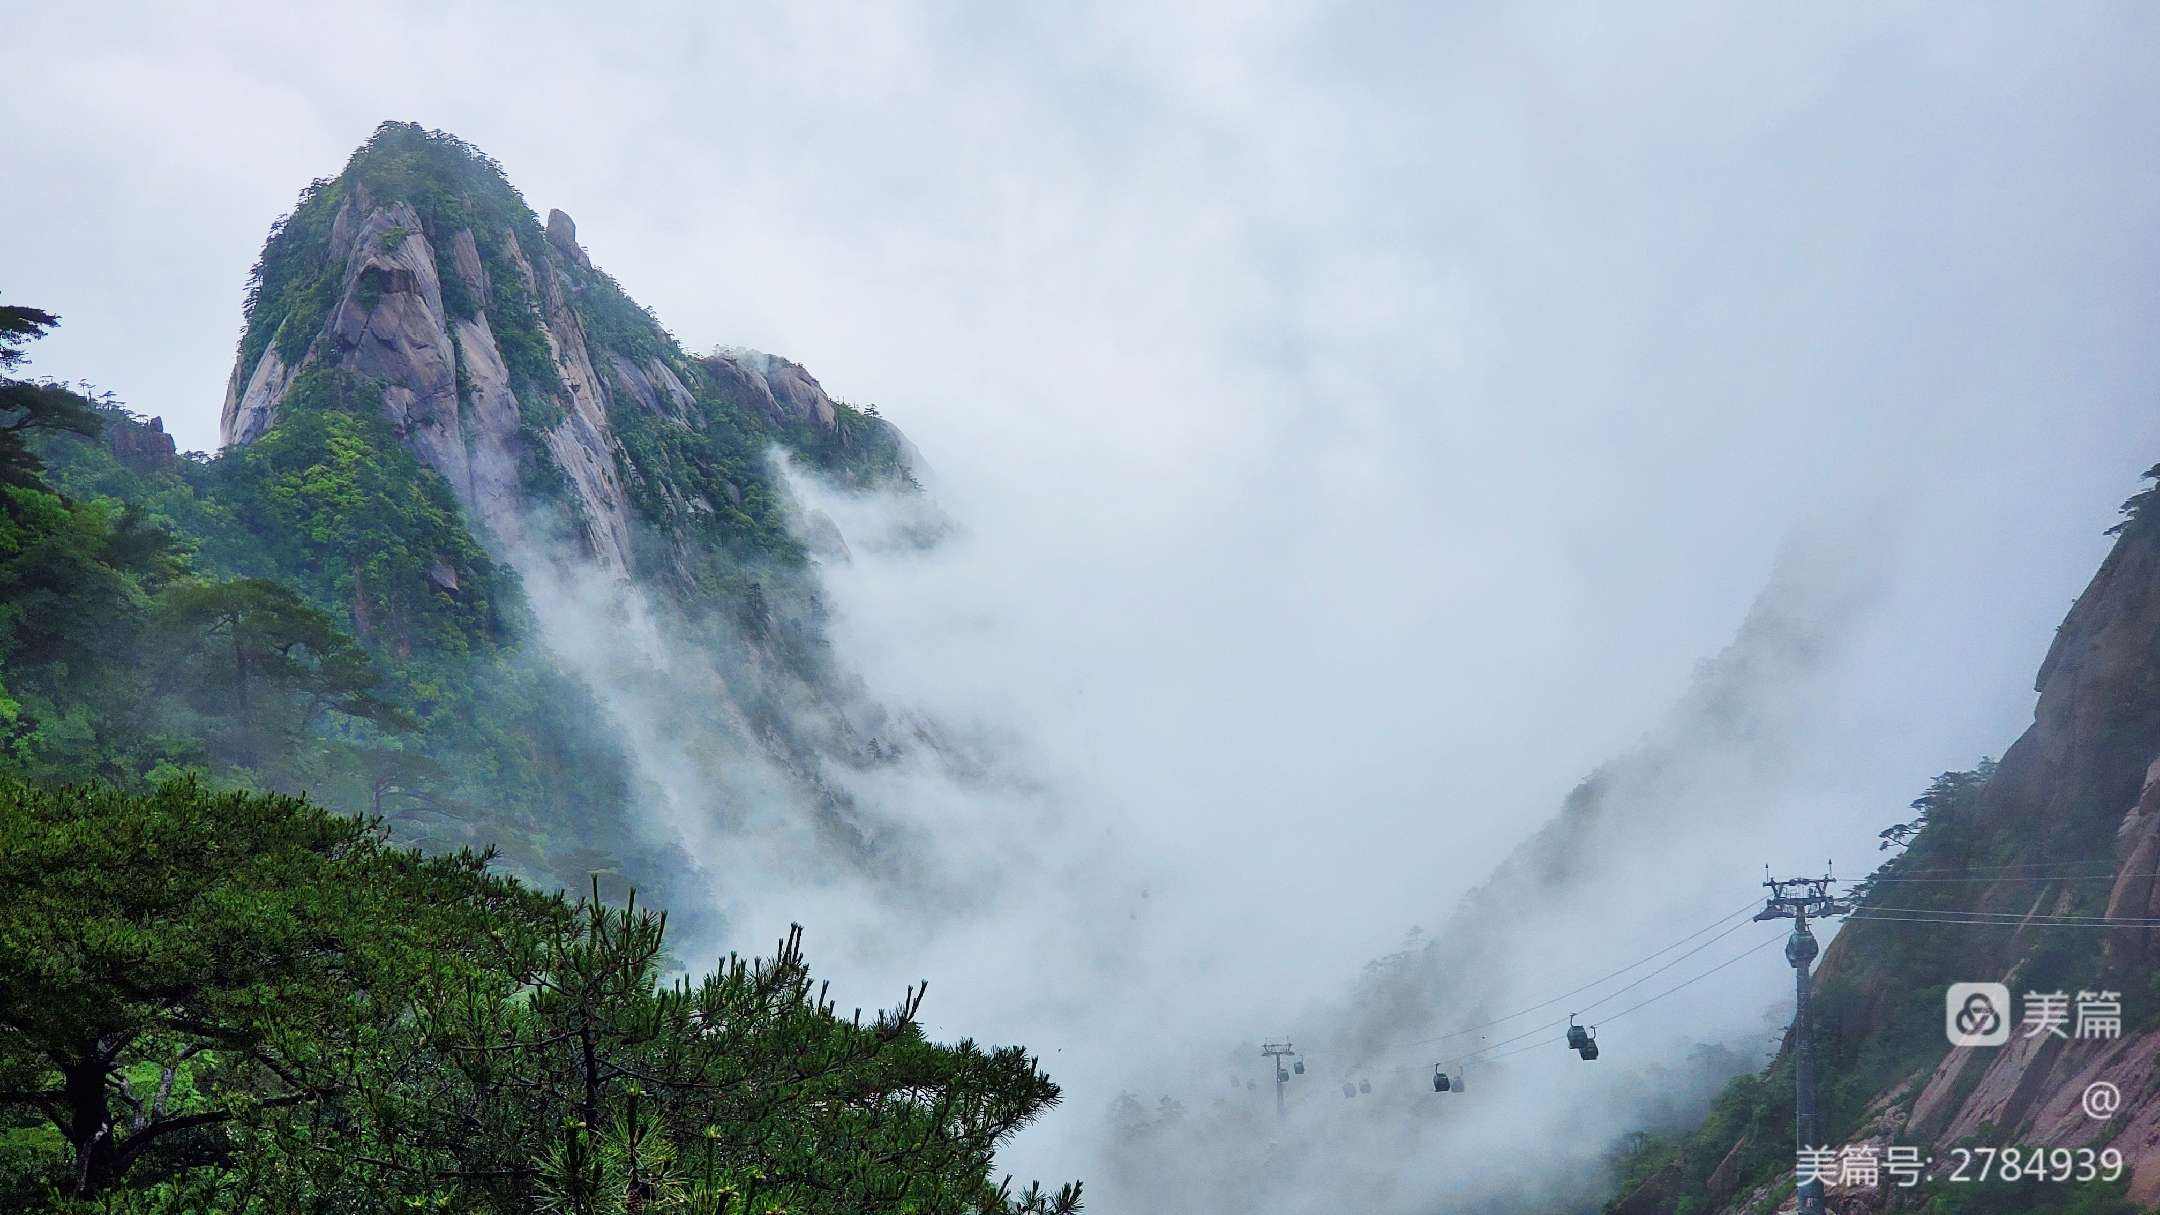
(1362, 420)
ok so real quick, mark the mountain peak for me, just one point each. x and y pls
(553, 404)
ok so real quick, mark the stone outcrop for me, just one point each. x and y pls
(562, 233)
(654, 386)
(143, 446)
(781, 390)
(821, 536)
(251, 403)
(465, 256)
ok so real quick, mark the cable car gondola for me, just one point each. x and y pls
(1298, 1067)
(1440, 1082)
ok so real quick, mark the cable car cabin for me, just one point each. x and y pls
(1298, 1067)
(1577, 1036)
(1364, 1086)
(1440, 1082)
(1588, 1050)
(1349, 1089)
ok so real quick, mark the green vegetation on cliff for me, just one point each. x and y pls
(203, 591)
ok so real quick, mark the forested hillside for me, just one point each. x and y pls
(291, 779)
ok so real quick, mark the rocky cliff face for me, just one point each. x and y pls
(519, 371)
(2067, 825)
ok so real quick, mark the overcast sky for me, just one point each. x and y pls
(1366, 417)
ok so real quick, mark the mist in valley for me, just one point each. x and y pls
(1420, 508)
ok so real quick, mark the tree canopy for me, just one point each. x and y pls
(240, 1002)
(28, 406)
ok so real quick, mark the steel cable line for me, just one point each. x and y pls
(1613, 994)
(1468, 1029)
(1605, 978)
(1540, 1044)
(2000, 868)
(2043, 877)
(2146, 925)
(1689, 982)
(2013, 916)
(1483, 1051)
(1749, 952)
(1662, 969)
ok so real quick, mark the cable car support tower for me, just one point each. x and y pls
(1796, 899)
(1276, 1052)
